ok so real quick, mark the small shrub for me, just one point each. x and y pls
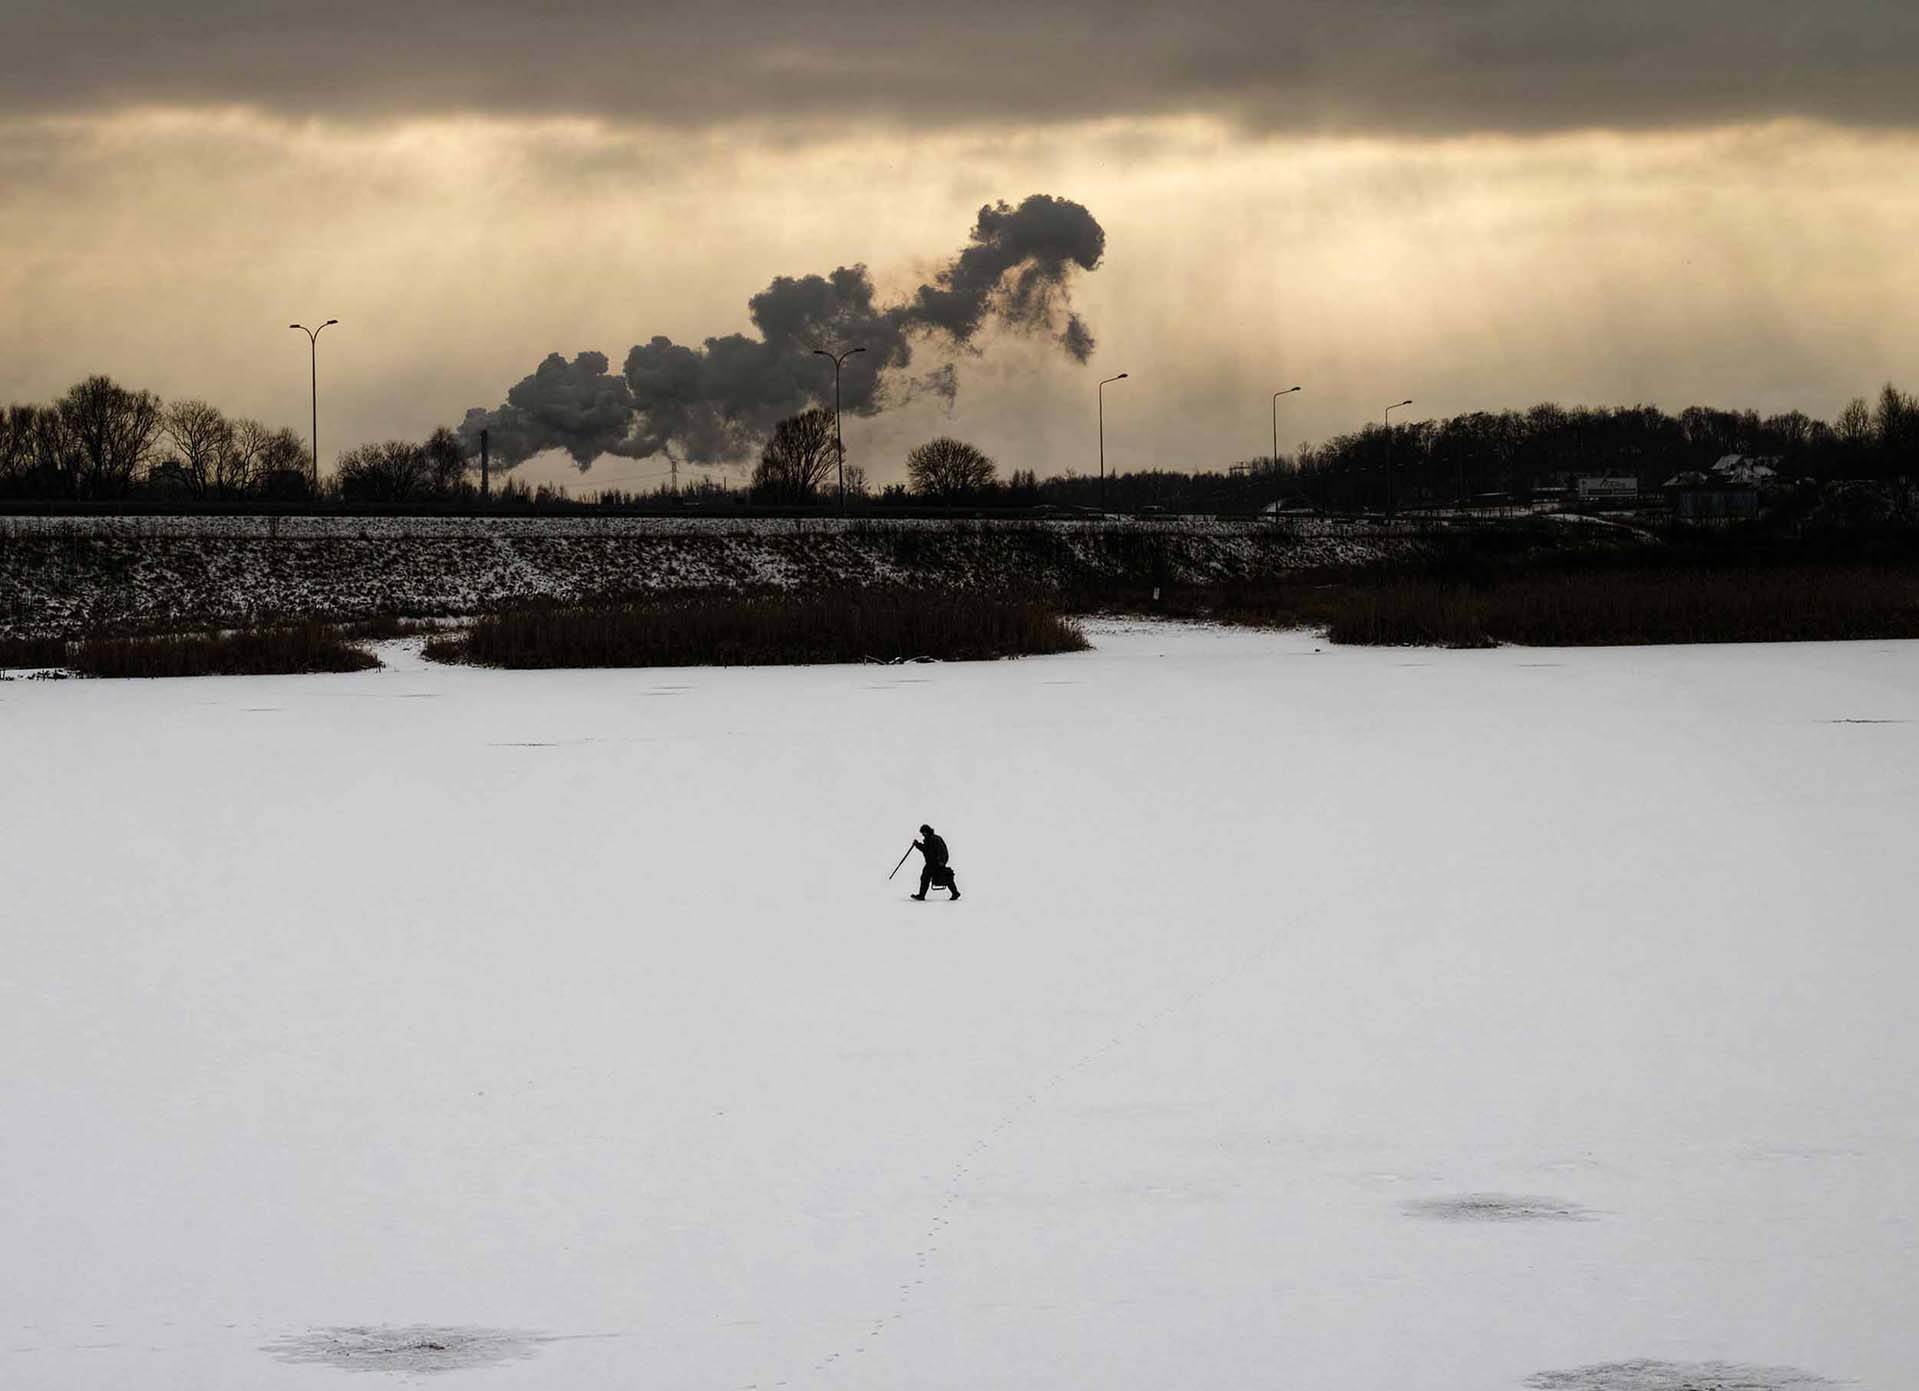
(849, 627)
(270, 651)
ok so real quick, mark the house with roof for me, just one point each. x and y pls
(1757, 470)
(1696, 496)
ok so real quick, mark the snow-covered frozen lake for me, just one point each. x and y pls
(1314, 1018)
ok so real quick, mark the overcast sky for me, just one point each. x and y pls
(1477, 205)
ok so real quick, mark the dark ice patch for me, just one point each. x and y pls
(417, 1347)
(1495, 1207)
(1646, 1375)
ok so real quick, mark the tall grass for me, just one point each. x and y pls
(32, 652)
(1797, 604)
(1619, 598)
(261, 651)
(845, 627)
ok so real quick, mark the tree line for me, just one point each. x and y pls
(1515, 453)
(102, 442)
(1504, 454)
(105, 442)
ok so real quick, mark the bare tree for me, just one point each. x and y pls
(106, 436)
(797, 459)
(262, 457)
(202, 445)
(19, 446)
(1856, 435)
(1854, 424)
(395, 471)
(1896, 421)
(447, 463)
(246, 460)
(948, 469)
(52, 447)
(280, 465)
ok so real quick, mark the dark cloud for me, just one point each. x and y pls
(1282, 64)
(715, 403)
(575, 406)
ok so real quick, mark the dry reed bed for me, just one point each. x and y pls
(725, 631)
(262, 651)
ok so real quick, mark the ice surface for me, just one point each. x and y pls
(577, 1004)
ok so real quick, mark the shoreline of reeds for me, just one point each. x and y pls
(860, 626)
(1717, 592)
(285, 649)
(1615, 601)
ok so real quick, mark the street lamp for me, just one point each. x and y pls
(1276, 395)
(313, 369)
(839, 446)
(1389, 452)
(1102, 439)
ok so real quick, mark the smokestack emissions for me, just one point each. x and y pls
(714, 404)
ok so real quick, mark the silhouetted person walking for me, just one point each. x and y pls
(936, 870)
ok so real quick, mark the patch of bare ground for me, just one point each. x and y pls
(1496, 1207)
(1647, 1375)
(412, 1348)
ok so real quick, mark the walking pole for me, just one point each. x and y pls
(896, 868)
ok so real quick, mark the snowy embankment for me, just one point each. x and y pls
(1315, 1017)
(63, 575)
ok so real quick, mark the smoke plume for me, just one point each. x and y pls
(713, 404)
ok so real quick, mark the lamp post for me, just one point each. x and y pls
(1389, 452)
(839, 445)
(1102, 440)
(1276, 395)
(313, 371)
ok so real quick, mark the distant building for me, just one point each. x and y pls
(1757, 470)
(1714, 497)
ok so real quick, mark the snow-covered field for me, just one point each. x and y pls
(66, 575)
(1387, 1020)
